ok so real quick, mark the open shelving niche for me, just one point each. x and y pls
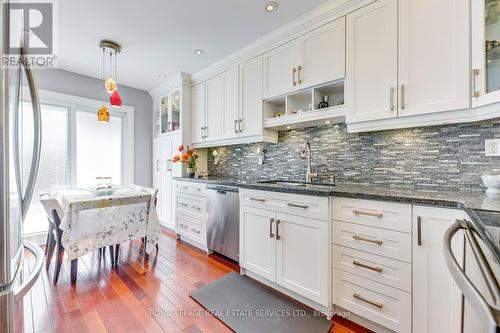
(299, 109)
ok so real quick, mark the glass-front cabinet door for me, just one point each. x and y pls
(485, 52)
(165, 122)
(170, 112)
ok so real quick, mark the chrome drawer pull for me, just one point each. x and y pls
(374, 241)
(183, 204)
(196, 207)
(197, 231)
(257, 199)
(278, 237)
(298, 206)
(271, 235)
(361, 212)
(376, 269)
(377, 304)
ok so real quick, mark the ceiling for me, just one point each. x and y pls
(160, 36)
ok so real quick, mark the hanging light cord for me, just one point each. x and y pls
(103, 72)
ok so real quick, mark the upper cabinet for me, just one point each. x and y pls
(250, 118)
(314, 58)
(485, 51)
(433, 57)
(214, 128)
(321, 56)
(198, 113)
(371, 66)
(407, 68)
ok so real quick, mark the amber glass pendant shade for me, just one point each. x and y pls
(115, 100)
(110, 85)
(103, 114)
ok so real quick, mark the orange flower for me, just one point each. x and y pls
(185, 157)
(181, 148)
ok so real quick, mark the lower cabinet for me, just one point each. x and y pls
(437, 304)
(289, 250)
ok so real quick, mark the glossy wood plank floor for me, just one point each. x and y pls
(137, 296)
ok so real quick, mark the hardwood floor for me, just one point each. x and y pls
(137, 296)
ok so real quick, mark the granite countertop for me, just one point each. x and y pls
(482, 208)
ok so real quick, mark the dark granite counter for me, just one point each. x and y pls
(482, 208)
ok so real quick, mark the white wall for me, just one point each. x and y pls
(84, 86)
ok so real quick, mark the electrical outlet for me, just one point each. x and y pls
(492, 147)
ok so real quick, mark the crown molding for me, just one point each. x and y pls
(313, 19)
(171, 83)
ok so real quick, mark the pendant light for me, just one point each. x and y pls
(110, 86)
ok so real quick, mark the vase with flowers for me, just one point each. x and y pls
(188, 156)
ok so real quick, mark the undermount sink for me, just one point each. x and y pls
(325, 186)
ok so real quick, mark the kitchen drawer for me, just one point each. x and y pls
(386, 215)
(191, 229)
(381, 304)
(388, 271)
(392, 244)
(191, 188)
(294, 204)
(191, 205)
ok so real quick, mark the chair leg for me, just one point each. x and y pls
(117, 253)
(145, 241)
(59, 260)
(51, 244)
(112, 254)
(157, 248)
(74, 270)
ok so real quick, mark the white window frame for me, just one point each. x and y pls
(74, 103)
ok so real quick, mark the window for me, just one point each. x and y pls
(76, 149)
(98, 149)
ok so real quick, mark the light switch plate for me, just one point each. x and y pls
(492, 147)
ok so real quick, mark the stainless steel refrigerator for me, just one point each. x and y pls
(16, 189)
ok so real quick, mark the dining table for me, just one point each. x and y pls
(94, 218)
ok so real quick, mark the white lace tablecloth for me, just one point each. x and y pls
(93, 219)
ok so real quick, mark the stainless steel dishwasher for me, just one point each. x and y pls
(223, 230)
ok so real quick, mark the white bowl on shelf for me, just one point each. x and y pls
(492, 182)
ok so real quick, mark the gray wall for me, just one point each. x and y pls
(70, 83)
(446, 157)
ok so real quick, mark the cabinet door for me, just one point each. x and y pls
(302, 256)
(251, 107)
(176, 171)
(280, 70)
(164, 191)
(157, 170)
(371, 62)
(230, 110)
(257, 242)
(322, 54)
(485, 52)
(436, 297)
(214, 109)
(198, 122)
(433, 57)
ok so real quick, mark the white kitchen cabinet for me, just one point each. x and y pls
(251, 107)
(371, 62)
(485, 52)
(257, 241)
(214, 116)
(157, 172)
(433, 57)
(314, 58)
(280, 70)
(302, 256)
(198, 112)
(230, 106)
(436, 297)
(289, 250)
(321, 55)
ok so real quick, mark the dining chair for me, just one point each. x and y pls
(54, 215)
(154, 199)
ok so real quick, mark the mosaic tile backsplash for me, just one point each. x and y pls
(447, 157)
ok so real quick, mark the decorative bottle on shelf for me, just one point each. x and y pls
(324, 103)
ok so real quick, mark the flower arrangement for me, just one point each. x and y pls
(187, 155)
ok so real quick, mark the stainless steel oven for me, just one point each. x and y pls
(477, 277)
